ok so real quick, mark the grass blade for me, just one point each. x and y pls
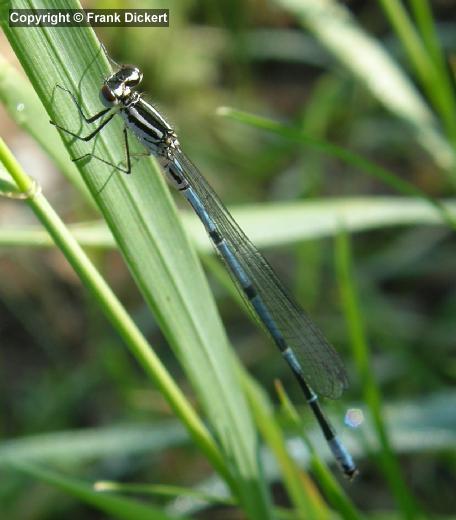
(349, 157)
(144, 222)
(268, 224)
(25, 108)
(114, 506)
(331, 487)
(161, 490)
(112, 308)
(302, 492)
(351, 309)
(80, 446)
(425, 59)
(364, 57)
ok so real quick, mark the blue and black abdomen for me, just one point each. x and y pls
(284, 320)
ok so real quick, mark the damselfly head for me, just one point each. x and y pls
(118, 87)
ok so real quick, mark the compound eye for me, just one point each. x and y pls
(107, 96)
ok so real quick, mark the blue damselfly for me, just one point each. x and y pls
(315, 364)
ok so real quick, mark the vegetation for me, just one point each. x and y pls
(330, 132)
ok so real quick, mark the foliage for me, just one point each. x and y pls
(335, 129)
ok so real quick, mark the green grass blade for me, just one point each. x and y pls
(24, 107)
(349, 157)
(365, 58)
(112, 505)
(268, 224)
(305, 498)
(422, 12)
(355, 324)
(112, 308)
(333, 490)
(431, 72)
(80, 446)
(421, 425)
(144, 222)
(161, 490)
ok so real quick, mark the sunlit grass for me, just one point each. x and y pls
(321, 155)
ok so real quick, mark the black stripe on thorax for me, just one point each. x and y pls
(146, 122)
(151, 118)
(147, 129)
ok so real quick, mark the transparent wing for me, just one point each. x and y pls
(320, 363)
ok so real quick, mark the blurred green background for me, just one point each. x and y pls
(67, 370)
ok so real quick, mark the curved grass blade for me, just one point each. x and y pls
(352, 158)
(365, 58)
(141, 216)
(331, 487)
(113, 310)
(306, 499)
(162, 490)
(24, 107)
(112, 505)
(269, 225)
(424, 54)
(389, 463)
(76, 446)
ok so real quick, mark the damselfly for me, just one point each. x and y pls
(315, 364)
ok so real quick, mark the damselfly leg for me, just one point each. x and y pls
(91, 119)
(97, 130)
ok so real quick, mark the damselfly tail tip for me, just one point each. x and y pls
(343, 458)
